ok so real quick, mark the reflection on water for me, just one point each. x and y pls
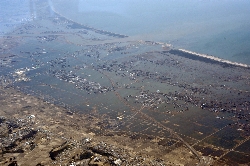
(140, 85)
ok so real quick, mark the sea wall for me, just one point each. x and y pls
(206, 58)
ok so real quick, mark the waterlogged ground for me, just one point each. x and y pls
(187, 108)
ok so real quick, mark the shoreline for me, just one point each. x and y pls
(135, 104)
(167, 45)
(193, 151)
(91, 28)
(215, 58)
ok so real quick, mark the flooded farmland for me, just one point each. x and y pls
(174, 108)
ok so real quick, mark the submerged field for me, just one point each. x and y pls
(160, 98)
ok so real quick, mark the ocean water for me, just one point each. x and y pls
(66, 68)
(219, 28)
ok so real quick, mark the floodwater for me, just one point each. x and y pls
(139, 84)
(219, 28)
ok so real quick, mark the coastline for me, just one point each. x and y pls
(90, 28)
(215, 58)
(164, 45)
(132, 103)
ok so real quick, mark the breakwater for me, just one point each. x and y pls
(206, 58)
(81, 26)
